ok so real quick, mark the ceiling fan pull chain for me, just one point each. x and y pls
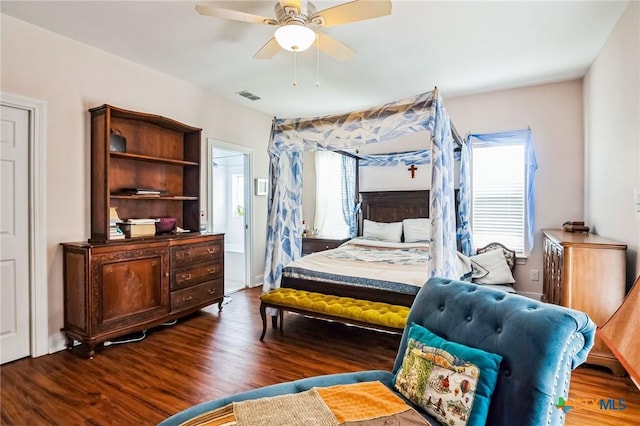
(317, 60)
(295, 83)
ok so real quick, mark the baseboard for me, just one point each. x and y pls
(57, 343)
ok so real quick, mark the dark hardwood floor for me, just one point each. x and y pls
(213, 354)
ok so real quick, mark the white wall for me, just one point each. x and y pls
(612, 138)
(554, 114)
(72, 77)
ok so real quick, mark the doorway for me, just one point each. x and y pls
(24, 319)
(230, 209)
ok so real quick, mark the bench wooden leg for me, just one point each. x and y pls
(263, 315)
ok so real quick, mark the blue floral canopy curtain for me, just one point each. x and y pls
(291, 137)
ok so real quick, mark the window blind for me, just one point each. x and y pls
(498, 195)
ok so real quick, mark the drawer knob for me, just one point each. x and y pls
(211, 250)
(187, 298)
(212, 270)
(186, 277)
(187, 254)
(212, 291)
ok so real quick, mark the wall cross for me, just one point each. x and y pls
(413, 169)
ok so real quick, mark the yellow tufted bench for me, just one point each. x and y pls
(365, 313)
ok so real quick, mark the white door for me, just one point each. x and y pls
(14, 235)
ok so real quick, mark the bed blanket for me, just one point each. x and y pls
(358, 404)
(401, 266)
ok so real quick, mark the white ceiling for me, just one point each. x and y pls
(461, 47)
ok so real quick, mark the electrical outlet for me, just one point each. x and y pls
(535, 275)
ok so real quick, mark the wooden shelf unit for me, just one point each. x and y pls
(161, 154)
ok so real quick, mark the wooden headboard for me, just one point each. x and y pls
(392, 206)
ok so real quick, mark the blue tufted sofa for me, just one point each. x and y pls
(540, 345)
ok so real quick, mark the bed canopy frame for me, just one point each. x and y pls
(291, 137)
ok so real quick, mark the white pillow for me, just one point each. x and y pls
(494, 262)
(416, 230)
(382, 231)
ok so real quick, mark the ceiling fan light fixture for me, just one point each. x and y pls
(295, 37)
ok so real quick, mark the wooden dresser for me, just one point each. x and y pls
(586, 272)
(117, 288)
(143, 166)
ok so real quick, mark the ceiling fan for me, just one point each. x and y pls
(298, 22)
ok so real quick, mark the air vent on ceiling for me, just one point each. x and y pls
(248, 95)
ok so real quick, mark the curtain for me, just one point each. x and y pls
(464, 233)
(290, 137)
(442, 247)
(284, 222)
(349, 210)
(422, 156)
(530, 163)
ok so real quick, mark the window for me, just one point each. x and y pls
(237, 195)
(330, 220)
(498, 194)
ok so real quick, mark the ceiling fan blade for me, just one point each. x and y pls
(334, 48)
(358, 10)
(268, 51)
(234, 15)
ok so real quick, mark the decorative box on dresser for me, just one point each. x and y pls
(586, 272)
(114, 287)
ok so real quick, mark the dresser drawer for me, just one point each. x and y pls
(188, 254)
(197, 295)
(196, 274)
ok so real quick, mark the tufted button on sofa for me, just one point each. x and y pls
(539, 343)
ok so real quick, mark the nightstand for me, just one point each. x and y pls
(312, 244)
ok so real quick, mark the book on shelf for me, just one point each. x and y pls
(114, 219)
(115, 233)
(140, 221)
(141, 191)
(113, 214)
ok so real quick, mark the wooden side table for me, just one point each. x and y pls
(313, 244)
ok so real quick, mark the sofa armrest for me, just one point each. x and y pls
(540, 344)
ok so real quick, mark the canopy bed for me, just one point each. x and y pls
(362, 270)
(375, 270)
(291, 137)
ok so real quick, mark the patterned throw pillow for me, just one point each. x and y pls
(450, 381)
